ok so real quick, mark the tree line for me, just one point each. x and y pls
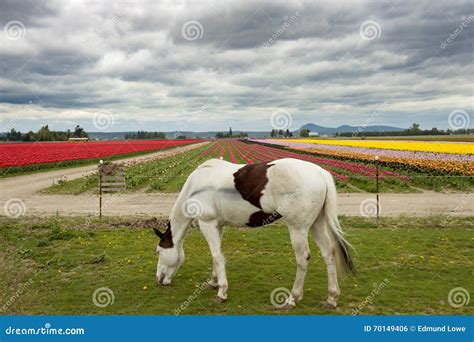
(145, 135)
(44, 134)
(414, 129)
(230, 134)
(276, 133)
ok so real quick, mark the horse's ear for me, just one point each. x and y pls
(158, 233)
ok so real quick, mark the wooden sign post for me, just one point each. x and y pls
(111, 179)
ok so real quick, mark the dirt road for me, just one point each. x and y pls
(20, 195)
(160, 204)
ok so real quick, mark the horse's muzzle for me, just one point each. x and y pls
(162, 280)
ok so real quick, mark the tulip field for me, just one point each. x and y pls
(445, 158)
(38, 155)
(353, 171)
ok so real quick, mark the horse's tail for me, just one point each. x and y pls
(343, 257)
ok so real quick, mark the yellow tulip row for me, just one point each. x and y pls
(417, 146)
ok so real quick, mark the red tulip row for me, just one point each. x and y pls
(20, 154)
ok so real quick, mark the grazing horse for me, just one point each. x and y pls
(220, 193)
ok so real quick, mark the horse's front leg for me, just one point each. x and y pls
(299, 241)
(212, 233)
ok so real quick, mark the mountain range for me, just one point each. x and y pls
(348, 129)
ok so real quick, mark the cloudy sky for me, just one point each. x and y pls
(208, 65)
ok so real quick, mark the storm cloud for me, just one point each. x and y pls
(208, 65)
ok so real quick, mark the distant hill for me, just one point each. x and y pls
(348, 129)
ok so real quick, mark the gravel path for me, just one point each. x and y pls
(160, 204)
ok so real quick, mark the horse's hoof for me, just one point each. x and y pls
(219, 300)
(288, 307)
(328, 306)
(211, 287)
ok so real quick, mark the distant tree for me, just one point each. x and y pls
(273, 133)
(14, 135)
(44, 134)
(220, 135)
(79, 132)
(414, 129)
(304, 133)
(230, 132)
(181, 137)
(30, 136)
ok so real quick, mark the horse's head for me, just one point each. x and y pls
(170, 258)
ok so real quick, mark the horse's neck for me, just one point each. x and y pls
(179, 222)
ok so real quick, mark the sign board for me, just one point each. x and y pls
(111, 179)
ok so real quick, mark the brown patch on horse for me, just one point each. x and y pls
(250, 181)
(166, 240)
(260, 218)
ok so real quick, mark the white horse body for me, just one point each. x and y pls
(220, 193)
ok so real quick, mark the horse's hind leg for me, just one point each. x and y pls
(212, 283)
(326, 245)
(299, 241)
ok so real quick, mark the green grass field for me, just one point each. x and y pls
(169, 174)
(54, 265)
